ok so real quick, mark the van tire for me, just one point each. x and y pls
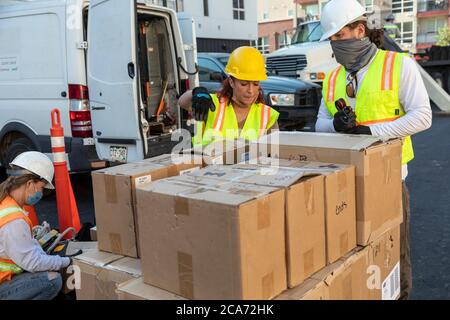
(17, 146)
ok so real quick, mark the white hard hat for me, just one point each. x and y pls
(36, 163)
(337, 14)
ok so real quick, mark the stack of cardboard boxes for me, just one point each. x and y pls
(311, 216)
(116, 260)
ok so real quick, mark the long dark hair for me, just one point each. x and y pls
(13, 183)
(375, 35)
(226, 91)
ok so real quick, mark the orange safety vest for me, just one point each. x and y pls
(10, 211)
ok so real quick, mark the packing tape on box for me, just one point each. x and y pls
(387, 169)
(309, 198)
(185, 275)
(341, 181)
(263, 213)
(181, 206)
(268, 286)
(343, 243)
(110, 188)
(308, 262)
(115, 242)
(361, 163)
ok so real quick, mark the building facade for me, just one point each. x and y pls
(221, 25)
(432, 15)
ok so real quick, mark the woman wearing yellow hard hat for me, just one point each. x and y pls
(238, 110)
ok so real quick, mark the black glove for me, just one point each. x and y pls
(343, 122)
(359, 130)
(201, 103)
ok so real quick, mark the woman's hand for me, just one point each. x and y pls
(201, 103)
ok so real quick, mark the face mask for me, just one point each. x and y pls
(353, 54)
(35, 198)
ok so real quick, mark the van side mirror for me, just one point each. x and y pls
(217, 77)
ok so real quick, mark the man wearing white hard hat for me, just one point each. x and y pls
(384, 90)
(26, 271)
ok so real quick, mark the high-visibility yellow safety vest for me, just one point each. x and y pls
(222, 123)
(10, 211)
(377, 100)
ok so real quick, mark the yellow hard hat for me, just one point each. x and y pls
(246, 63)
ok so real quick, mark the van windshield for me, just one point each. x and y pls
(308, 32)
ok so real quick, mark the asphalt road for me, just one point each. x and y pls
(428, 181)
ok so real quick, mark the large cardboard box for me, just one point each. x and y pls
(101, 272)
(114, 199)
(340, 203)
(378, 172)
(212, 240)
(384, 264)
(311, 289)
(136, 289)
(304, 209)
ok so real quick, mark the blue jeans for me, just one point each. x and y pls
(31, 286)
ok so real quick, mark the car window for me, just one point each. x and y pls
(206, 68)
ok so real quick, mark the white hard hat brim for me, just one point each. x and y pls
(335, 30)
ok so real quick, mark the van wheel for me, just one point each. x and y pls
(16, 147)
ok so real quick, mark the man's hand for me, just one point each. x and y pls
(201, 103)
(343, 121)
(359, 130)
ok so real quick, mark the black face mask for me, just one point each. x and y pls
(353, 54)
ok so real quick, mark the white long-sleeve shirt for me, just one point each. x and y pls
(413, 98)
(17, 244)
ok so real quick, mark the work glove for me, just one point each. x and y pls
(343, 121)
(344, 118)
(201, 103)
(359, 130)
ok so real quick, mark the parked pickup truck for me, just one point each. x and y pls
(297, 101)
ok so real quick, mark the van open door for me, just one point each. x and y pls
(113, 80)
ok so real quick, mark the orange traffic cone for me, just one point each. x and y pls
(65, 200)
(32, 215)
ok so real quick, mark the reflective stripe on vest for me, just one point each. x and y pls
(377, 100)
(221, 124)
(10, 211)
(332, 84)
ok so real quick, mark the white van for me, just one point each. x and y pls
(114, 68)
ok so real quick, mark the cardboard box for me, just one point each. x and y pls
(101, 272)
(212, 240)
(346, 279)
(340, 207)
(114, 199)
(304, 210)
(311, 289)
(384, 262)
(67, 274)
(224, 152)
(136, 289)
(378, 172)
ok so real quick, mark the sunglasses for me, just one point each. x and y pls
(350, 88)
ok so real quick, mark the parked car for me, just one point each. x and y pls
(297, 101)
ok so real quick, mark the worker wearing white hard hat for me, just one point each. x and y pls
(384, 89)
(26, 271)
